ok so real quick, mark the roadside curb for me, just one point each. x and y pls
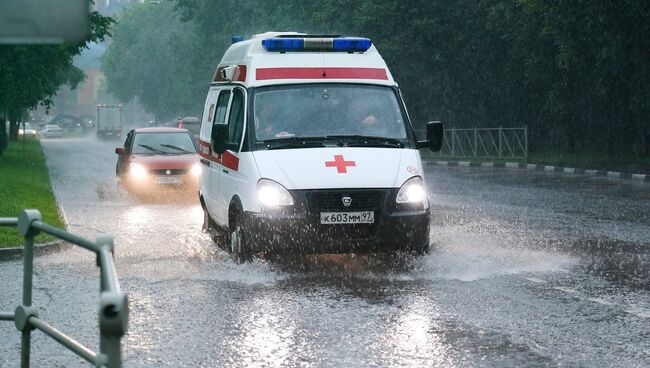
(13, 253)
(540, 167)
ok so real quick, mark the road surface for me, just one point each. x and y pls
(528, 269)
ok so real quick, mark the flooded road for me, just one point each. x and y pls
(528, 269)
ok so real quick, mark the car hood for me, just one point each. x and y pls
(320, 168)
(156, 162)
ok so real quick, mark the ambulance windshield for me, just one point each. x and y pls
(327, 111)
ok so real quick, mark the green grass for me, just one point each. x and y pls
(25, 183)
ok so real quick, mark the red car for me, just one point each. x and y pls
(158, 159)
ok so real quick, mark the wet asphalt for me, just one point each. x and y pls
(528, 269)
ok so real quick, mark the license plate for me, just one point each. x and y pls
(361, 217)
(173, 179)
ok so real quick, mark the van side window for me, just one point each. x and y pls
(236, 117)
(222, 107)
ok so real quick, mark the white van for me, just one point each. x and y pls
(306, 147)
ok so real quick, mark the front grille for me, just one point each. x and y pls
(332, 200)
(171, 172)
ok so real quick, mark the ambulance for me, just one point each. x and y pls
(306, 147)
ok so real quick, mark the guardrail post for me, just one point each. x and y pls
(475, 141)
(113, 320)
(113, 311)
(500, 140)
(453, 142)
(526, 141)
(24, 311)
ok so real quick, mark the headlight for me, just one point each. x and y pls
(412, 192)
(273, 194)
(138, 170)
(196, 169)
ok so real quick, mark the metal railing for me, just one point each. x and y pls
(485, 143)
(113, 304)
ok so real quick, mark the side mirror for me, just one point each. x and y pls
(120, 150)
(219, 138)
(435, 134)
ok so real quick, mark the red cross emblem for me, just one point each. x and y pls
(340, 164)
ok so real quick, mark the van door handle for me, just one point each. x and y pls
(205, 162)
(225, 171)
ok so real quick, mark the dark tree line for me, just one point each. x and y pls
(577, 73)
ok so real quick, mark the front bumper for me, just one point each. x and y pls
(148, 185)
(299, 228)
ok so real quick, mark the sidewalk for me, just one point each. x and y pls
(430, 161)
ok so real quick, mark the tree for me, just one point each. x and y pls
(30, 74)
(152, 58)
(575, 72)
(602, 52)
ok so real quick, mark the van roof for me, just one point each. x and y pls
(255, 66)
(188, 119)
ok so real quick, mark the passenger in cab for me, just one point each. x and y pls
(265, 116)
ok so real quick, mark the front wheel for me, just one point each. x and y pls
(239, 240)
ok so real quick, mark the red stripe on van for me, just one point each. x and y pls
(321, 73)
(226, 159)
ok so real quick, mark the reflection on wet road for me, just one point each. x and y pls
(528, 269)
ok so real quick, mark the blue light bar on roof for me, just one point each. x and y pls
(351, 44)
(341, 44)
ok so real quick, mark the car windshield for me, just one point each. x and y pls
(163, 143)
(327, 110)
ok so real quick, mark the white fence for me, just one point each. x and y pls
(485, 143)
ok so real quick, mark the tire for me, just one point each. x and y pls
(238, 240)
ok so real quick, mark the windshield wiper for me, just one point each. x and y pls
(368, 141)
(152, 149)
(295, 142)
(176, 148)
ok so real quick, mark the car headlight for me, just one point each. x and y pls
(273, 194)
(138, 170)
(412, 191)
(196, 169)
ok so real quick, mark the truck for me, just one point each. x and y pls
(109, 121)
(306, 147)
